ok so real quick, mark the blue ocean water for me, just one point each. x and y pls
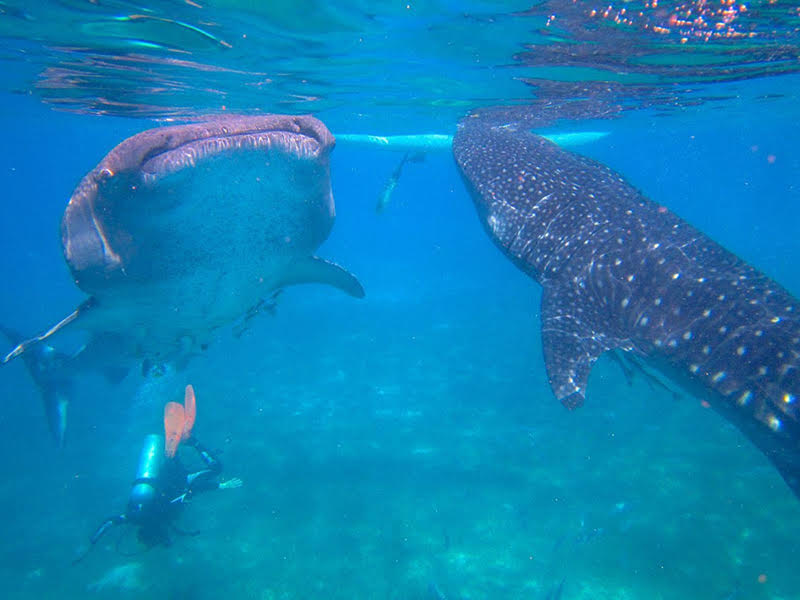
(406, 445)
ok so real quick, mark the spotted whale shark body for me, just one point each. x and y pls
(621, 273)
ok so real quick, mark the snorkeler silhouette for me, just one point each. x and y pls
(391, 184)
(163, 485)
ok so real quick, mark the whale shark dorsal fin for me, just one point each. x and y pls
(570, 345)
(317, 270)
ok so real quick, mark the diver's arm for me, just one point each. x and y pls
(202, 481)
(98, 533)
(207, 479)
(107, 524)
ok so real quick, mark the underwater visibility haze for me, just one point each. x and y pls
(403, 440)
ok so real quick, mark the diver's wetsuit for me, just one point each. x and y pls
(174, 486)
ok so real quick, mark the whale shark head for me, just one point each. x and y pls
(182, 229)
(166, 198)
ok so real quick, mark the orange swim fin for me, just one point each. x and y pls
(174, 422)
(178, 421)
(190, 412)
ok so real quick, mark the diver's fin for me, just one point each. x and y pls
(189, 411)
(317, 270)
(174, 420)
(185, 532)
(570, 345)
(55, 407)
(23, 346)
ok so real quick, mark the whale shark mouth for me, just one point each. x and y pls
(287, 136)
(162, 151)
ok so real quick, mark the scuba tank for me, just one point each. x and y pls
(144, 492)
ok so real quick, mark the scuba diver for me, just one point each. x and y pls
(54, 373)
(163, 485)
(49, 370)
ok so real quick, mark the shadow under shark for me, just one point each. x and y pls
(181, 230)
(621, 273)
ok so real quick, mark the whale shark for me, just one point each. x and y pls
(623, 274)
(183, 229)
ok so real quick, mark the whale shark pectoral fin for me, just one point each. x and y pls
(568, 358)
(570, 346)
(317, 270)
(26, 344)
